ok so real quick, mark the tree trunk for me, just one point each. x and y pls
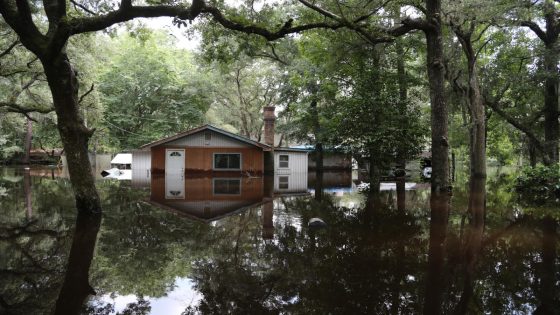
(401, 194)
(314, 111)
(551, 127)
(473, 243)
(532, 153)
(477, 150)
(439, 214)
(76, 287)
(547, 292)
(440, 144)
(478, 127)
(403, 92)
(28, 141)
(28, 194)
(63, 84)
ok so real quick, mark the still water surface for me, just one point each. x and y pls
(242, 246)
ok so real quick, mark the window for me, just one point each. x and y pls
(175, 153)
(284, 161)
(283, 182)
(226, 186)
(227, 161)
(207, 137)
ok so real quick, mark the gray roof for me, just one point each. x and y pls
(206, 127)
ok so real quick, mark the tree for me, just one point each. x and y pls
(145, 72)
(241, 89)
(549, 36)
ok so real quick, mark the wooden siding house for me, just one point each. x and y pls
(212, 151)
(207, 150)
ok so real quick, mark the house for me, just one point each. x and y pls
(208, 150)
(334, 159)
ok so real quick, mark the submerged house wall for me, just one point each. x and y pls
(202, 159)
(201, 149)
(288, 162)
(332, 161)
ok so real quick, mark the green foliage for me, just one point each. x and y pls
(240, 90)
(151, 90)
(539, 185)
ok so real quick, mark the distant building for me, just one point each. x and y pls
(333, 159)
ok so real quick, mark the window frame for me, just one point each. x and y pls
(280, 161)
(227, 169)
(287, 182)
(227, 179)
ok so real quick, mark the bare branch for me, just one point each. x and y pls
(83, 7)
(496, 107)
(17, 108)
(86, 93)
(7, 50)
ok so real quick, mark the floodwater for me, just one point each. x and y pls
(176, 245)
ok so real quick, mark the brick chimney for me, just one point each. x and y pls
(269, 119)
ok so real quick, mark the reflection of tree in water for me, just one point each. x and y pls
(370, 260)
(349, 267)
(34, 239)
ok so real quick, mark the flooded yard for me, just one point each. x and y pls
(181, 245)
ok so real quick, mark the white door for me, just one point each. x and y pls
(175, 161)
(174, 186)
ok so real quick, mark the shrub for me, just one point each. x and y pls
(539, 185)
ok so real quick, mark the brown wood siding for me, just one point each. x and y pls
(200, 159)
(201, 188)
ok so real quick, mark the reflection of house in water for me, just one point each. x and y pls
(206, 198)
(211, 198)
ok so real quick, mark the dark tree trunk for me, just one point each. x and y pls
(28, 141)
(401, 194)
(374, 176)
(478, 127)
(551, 128)
(440, 144)
(403, 92)
(63, 84)
(477, 110)
(548, 271)
(314, 111)
(76, 287)
(473, 243)
(532, 153)
(549, 36)
(319, 185)
(439, 204)
(28, 194)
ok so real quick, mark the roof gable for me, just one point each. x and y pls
(202, 128)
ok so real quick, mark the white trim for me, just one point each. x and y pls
(287, 182)
(279, 161)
